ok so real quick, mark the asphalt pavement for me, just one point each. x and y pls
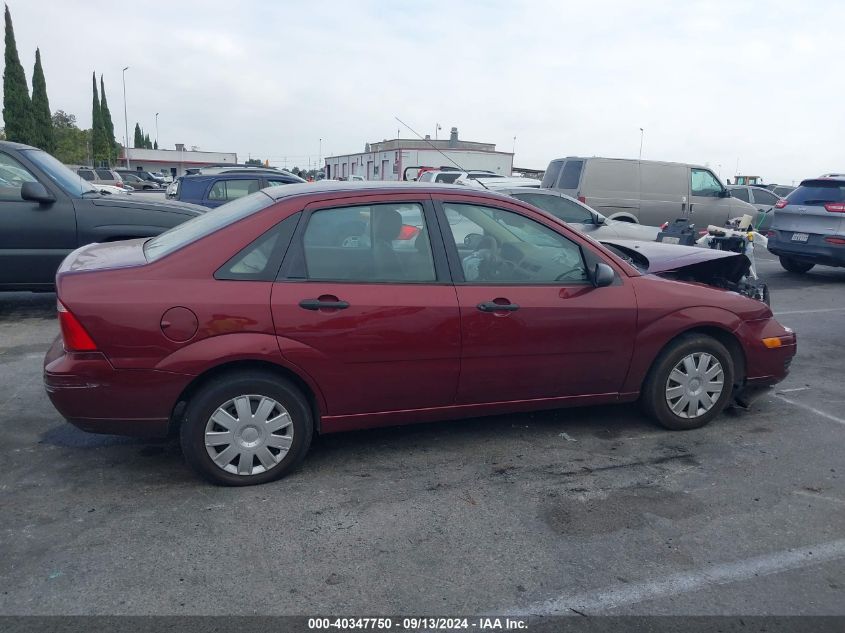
(590, 510)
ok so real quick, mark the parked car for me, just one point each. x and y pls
(809, 226)
(154, 180)
(781, 191)
(649, 192)
(496, 183)
(764, 202)
(51, 211)
(215, 189)
(581, 217)
(139, 184)
(111, 189)
(101, 176)
(248, 329)
(450, 176)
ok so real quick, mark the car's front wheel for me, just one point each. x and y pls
(246, 428)
(690, 383)
(793, 265)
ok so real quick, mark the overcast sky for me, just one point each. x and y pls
(758, 83)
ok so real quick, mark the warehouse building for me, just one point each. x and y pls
(174, 161)
(391, 159)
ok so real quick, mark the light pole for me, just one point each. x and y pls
(156, 129)
(125, 121)
(320, 155)
(641, 142)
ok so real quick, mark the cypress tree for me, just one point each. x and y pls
(147, 143)
(99, 144)
(43, 136)
(17, 107)
(155, 144)
(108, 126)
(139, 138)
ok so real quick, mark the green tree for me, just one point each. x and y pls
(108, 125)
(17, 107)
(254, 161)
(155, 144)
(72, 144)
(43, 124)
(99, 142)
(139, 137)
(147, 143)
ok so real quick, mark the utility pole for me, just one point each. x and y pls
(125, 122)
(642, 132)
(157, 145)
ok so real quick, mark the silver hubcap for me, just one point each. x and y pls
(248, 435)
(694, 385)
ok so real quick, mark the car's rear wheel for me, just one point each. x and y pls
(793, 265)
(246, 428)
(690, 383)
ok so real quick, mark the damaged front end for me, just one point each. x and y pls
(722, 269)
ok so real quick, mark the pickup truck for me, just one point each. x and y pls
(47, 211)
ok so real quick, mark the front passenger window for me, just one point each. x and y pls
(705, 184)
(503, 247)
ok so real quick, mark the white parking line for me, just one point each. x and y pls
(793, 390)
(602, 600)
(818, 311)
(807, 407)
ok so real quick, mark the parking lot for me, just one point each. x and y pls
(592, 510)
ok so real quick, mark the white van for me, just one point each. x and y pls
(646, 191)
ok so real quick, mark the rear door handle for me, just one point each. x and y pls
(316, 304)
(492, 306)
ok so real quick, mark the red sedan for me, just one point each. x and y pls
(326, 307)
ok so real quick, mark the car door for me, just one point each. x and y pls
(709, 202)
(533, 326)
(34, 237)
(365, 307)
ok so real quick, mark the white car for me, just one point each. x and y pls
(497, 183)
(110, 189)
(581, 217)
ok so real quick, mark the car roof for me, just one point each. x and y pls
(13, 145)
(341, 186)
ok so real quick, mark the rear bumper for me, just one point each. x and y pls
(814, 250)
(94, 396)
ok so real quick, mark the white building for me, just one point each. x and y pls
(389, 159)
(174, 161)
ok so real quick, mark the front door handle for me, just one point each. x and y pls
(317, 304)
(492, 306)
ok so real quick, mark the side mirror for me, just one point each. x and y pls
(598, 219)
(726, 193)
(36, 192)
(603, 275)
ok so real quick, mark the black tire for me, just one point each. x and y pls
(793, 265)
(205, 402)
(654, 394)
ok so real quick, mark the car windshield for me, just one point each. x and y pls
(205, 224)
(70, 182)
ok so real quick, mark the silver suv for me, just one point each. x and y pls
(809, 225)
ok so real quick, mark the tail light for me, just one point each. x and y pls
(835, 207)
(771, 233)
(582, 199)
(408, 232)
(780, 204)
(664, 226)
(839, 241)
(74, 336)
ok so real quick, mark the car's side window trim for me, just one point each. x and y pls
(293, 266)
(454, 257)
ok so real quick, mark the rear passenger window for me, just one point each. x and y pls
(379, 243)
(232, 189)
(762, 196)
(550, 177)
(571, 175)
(87, 174)
(105, 174)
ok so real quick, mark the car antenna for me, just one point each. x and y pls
(434, 147)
